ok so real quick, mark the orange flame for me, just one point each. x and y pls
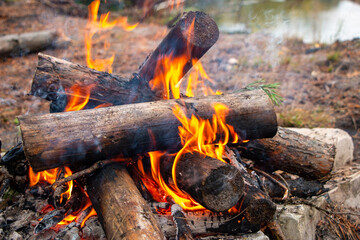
(169, 71)
(50, 176)
(78, 97)
(176, 4)
(207, 137)
(95, 26)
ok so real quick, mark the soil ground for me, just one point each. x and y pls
(320, 83)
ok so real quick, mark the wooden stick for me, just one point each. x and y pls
(83, 137)
(81, 173)
(121, 209)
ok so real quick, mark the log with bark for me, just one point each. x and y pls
(214, 184)
(292, 152)
(82, 137)
(54, 76)
(22, 44)
(121, 209)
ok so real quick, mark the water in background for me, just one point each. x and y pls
(323, 21)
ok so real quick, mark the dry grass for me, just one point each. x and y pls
(298, 117)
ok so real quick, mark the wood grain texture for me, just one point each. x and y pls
(82, 137)
(292, 152)
(121, 209)
(53, 76)
(21, 44)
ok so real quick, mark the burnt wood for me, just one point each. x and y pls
(54, 76)
(73, 205)
(214, 184)
(121, 209)
(182, 41)
(82, 137)
(183, 231)
(206, 223)
(255, 203)
(292, 152)
(298, 187)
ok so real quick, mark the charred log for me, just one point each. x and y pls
(14, 160)
(256, 204)
(216, 185)
(53, 76)
(298, 187)
(193, 35)
(121, 209)
(205, 223)
(292, 152)
(183, 231)
(82, 137)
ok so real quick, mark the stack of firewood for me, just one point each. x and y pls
(127, 129)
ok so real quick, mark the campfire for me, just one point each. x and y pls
(162, 154)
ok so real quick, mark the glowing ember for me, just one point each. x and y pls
(50, 177)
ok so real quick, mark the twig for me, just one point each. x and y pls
(81, 173)
(287, 193)
(271, 178)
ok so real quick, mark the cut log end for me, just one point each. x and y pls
(223, 188)
(205, 32)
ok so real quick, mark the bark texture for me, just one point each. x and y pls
(82, 137)
(121, 209)
(22, 44)
(292, 152)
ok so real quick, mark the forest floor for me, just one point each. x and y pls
(320, 84)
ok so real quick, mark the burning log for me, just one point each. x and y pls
(193, 35)
(292, 152)
(21, 44)
(82, 137)
(216, 185)
(54, 75)
(120, 206)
